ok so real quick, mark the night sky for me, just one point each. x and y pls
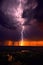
(9, 28)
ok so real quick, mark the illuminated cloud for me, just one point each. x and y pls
(15, 27)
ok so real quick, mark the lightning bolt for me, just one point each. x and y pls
(19, 18)
(18, 13)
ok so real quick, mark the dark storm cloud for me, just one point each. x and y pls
(32, 32)
(39, 11)
(8, 34)
(5, 21)
(1, 2)
(8, 31)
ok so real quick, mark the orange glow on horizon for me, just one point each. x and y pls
(23, 43)
(8, 43)
(31, 43)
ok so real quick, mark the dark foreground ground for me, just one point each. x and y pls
(21, 55)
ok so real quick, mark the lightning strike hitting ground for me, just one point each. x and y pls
(19, 18)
